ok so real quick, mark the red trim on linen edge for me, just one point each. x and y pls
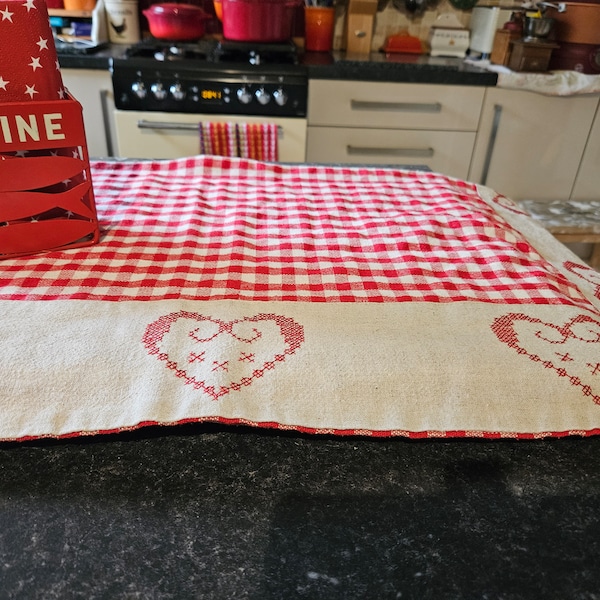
(393, 433)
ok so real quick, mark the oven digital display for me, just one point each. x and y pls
(211, 94)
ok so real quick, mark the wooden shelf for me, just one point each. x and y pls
(74, 14)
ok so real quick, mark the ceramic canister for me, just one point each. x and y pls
(122, 21)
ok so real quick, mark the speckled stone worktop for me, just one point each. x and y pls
(339, 65)
(209, 512)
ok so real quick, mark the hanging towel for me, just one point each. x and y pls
(256, 141)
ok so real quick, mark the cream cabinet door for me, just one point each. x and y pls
(446, 152)
(92, 88)
(397, 105)
(530, 145)
(587, 184)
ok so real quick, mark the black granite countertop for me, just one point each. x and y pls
(376, 66)
(214, 512)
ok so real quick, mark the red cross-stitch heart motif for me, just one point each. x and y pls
(218, 356)
(505, 202)
(586, 273)
(572, 350)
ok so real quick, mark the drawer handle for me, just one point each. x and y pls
(418, 107)
(489, 152)
(404, 152)
(174, 126)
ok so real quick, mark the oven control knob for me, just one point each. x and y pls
(159, 91)
(139, 89)
(177, 91)
(244, 96)
(263, 96)
(280, 97)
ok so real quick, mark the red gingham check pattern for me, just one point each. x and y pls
(218, 228)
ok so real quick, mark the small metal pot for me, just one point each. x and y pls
(536, 28)
(177, 22)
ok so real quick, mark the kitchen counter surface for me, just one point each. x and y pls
(211, 512)
(339, 65)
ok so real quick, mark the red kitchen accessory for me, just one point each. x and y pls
(258, 20)
(403, 43)
(46, 196)
(28, 55)
(177, 22)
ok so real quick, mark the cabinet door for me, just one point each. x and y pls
(587, 184)
(530, 145)
(447, 152)
(92, 88)
(398, 105)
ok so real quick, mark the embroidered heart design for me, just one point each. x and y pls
(586, 273)
(218, 356)
(508, 204)
(572, 349)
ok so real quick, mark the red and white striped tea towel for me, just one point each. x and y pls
(29, 68)
(257, 141)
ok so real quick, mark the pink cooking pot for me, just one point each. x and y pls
(177, 22)
(258, 20)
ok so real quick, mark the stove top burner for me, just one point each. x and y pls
(164, 51)
(256, 53)
(214, 51)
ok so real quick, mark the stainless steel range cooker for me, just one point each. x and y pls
(163, 92)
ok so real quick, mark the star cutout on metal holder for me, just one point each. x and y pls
(3, 83)
(35, 63)
(6, 15)
(42, 43)
(29, 4)
(30, 89)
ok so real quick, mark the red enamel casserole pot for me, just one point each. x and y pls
(177, 22)
(258, 20)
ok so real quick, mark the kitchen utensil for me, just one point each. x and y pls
(258, 20)
(122, 21)
(403, 43)
(485, 20)
(449, 41)
(537, 28)
(319, 23)
(178, 22)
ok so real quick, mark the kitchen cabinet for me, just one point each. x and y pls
(92, 88)
(587, 183)
(393, 123)
(530, 146)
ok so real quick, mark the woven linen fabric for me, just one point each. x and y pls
(348, 300)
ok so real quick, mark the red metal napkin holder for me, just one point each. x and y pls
(46, 194)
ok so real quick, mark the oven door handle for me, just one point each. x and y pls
(174, 126)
